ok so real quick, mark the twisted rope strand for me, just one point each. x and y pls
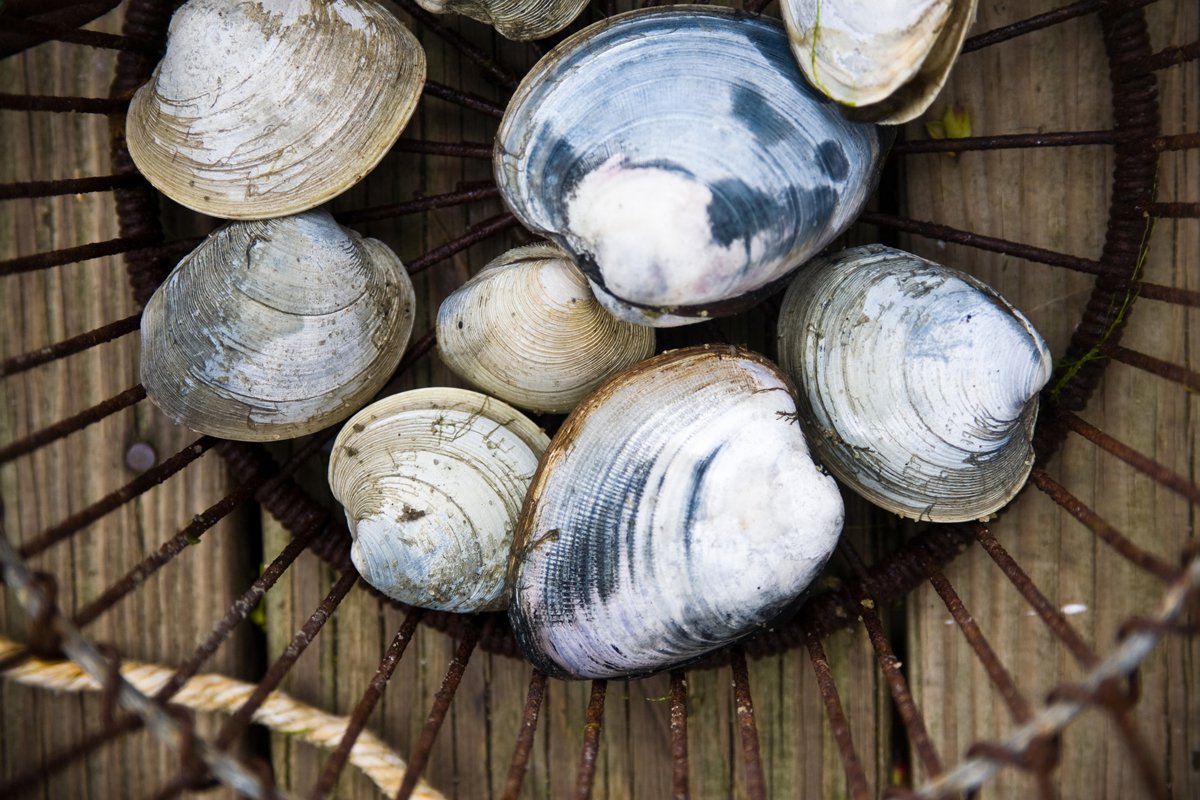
(281, 713)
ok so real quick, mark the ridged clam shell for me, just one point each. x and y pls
(432, 481)
(514, 19)
(528, 330)
(263, 108)
(887, 61)
(274, 329)
(676, 510)
(682, 160)
(918, 383)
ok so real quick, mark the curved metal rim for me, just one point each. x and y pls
(1135, 112)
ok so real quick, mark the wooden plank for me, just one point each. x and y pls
(165, 617)
(1058, 199)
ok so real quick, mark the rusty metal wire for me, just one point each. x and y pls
(1053, 718)
(161, 722)
(1033, 746)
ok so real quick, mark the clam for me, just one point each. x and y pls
(918, 384)
(680, 158)
(276, 328)
(528, 330)
(886, 61)
(264, 108)
(514, 19)
(676, 510)
(432, 481)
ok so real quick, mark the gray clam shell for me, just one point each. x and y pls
(675, 511)
(918, 383)
(274, 329)
(682, 160)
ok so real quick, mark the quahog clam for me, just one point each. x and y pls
(918, 383)
(681, 159)
(528, 330)
(262, 108)
(514, 19)
(676, 510)
(276, 328)
(432, 481)
(886, 61)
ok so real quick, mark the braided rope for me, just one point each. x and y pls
(281, 713)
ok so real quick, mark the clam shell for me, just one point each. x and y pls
(886, 61)
(918, 383)
(676, 510)
(264, 108)
(681, 159)
(432, 481)
(274, 329)
(528, 330)
(520, 20)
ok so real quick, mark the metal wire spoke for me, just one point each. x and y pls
(679, 734)
(166, 727)
(461, 98)
(756, 785)
(72, 424)
(366, 704)
(910, 715)
(1053, 718)
(240, 719)
(111, 502)
(72, 255)
(455, 150)
(71, 346)
(101, 183)
(418, 205)
(1099, 526)
(586, 774)
(72, 105)
(475, 234)
(931, 230)
(524, 739)
(492, 71)
(1155, 366)
(441, 705)
(856, 777)
(1054, 619)
(72, 35)
(192, 533)
(1148, 466)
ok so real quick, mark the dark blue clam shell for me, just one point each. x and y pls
(704, 101)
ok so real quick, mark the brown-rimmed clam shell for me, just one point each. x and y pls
(676, 510)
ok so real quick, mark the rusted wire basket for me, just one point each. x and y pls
(1075, 196)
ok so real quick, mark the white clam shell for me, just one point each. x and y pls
(275, 329)
(263, 108)
(886, 60)
(681, 159)
(432, 481)
(514, 19)
(676, 510)
(918, 384)
(528, 330)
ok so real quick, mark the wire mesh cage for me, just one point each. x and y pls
(197, 580)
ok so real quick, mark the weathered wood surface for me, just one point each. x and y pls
(166, 616)
(1056, 80)
(1052, 198)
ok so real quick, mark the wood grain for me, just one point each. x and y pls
(165, 617)
(1052, 80)
(1057, 198)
